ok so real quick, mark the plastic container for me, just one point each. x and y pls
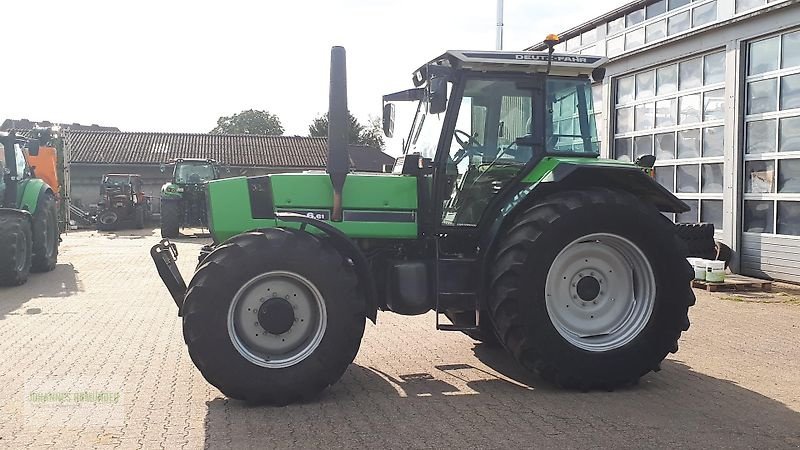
(699, 266)
(715, 271)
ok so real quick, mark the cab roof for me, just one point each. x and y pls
(563, 64)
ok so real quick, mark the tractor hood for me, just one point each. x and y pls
(374, 205)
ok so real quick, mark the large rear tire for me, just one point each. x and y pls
(45, 234)
(16, 249)
(170, 218)
(273, 317)
(590, 289)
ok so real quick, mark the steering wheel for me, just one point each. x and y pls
(464, 139)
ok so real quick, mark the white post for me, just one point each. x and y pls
(499, 42)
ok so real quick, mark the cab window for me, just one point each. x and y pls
(571, 126)
(484, 153)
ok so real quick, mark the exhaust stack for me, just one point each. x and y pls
(338, 120)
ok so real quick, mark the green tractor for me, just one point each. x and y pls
(29, 230)
(183, 199)
(499, 217)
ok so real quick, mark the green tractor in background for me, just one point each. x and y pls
(499, 217)
(183, 199)
(29, 228)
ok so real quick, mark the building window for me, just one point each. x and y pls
(746, 5)
(772, 135)
(677, 113)
(652, 23)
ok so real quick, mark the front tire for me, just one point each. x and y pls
(15, 249)
(170, 218)
(591, 289)
(138, 217)
(108, 220)
(273, 317)
(45, 234)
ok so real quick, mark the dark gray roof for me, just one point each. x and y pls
(245, 150)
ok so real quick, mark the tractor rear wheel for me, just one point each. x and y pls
(170, 218)
(590, 289)
(273, 317)
(45, 234)
(15, 249)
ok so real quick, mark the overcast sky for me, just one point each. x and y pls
(178, 65)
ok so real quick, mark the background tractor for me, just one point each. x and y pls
(499, 217)
(29, 228)
(122, 199)
(183, 199)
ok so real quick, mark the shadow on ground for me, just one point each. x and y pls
(469, 405)
(60, 282)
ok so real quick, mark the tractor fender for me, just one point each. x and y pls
(566, 176)
(20, 213)
(32, 190)
(349, 249)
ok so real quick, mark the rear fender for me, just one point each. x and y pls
(566, 176)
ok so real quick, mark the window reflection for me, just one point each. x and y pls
(789, 176)
(758, 216)
(689, 143)
(761, 136)
(688, 178)
(789, 218)
(759, 176)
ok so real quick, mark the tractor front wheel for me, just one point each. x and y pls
(170, 218)
(591, 289)
(273, 317)
(138, 217)
(15, 249)
(107, 220)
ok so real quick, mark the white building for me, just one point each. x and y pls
(712, 88)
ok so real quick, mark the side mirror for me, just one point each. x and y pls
(388, 168)
(33, 147)
(162, 168)
(388, 120)
(437, 101)
(646, 161)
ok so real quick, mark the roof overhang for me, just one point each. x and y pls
(507, 61)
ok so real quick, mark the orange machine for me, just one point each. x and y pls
(45, 166)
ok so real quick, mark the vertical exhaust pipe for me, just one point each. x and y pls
(338, 120)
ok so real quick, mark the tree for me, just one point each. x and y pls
(249, 122)
(370, 135)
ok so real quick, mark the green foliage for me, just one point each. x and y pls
(371, 135)
(249, 122)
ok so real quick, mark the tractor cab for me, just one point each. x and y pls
(481, 119)
(190, 171)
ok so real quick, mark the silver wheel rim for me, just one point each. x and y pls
(600, 292)
(277, 350)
